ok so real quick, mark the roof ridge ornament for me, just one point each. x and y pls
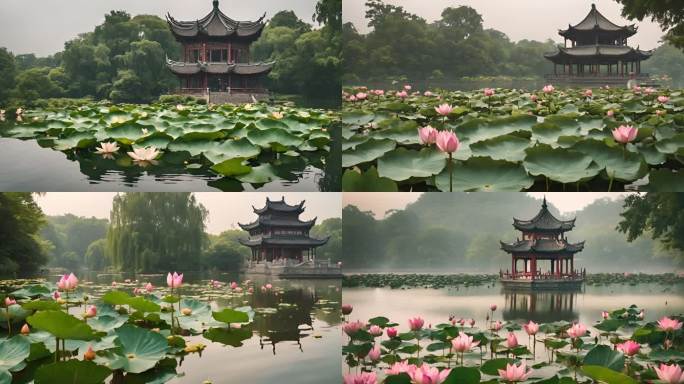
(544, 203)
(216, 4)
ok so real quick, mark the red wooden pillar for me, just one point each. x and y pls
(534, 267)
(572, 264)
(513, 266)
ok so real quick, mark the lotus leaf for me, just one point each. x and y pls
(485, 175)
(142, 349)
(402, 164)
(72, 372)
(367, 151)
(61, 325)
(369, 181)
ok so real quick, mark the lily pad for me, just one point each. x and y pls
(505, 147)
(61, 325)
(72, 372)
(402, 164)
(367, 151)
(482, 174)
(369, 181)
(142, 349)
(559, 164)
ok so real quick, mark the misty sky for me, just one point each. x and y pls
(519, 19)
(380, 203)
(225, 209)
(43, 26)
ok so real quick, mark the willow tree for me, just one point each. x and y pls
(156, 232)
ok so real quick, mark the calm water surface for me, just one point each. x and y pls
(298, 344)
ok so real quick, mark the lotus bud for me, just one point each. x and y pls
(186, 311)
(25, 330)
(89, 355)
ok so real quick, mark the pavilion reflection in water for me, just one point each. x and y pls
(540, 306)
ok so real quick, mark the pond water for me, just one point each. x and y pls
(296, 328)
(26, 166)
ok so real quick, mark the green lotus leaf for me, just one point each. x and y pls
(72, 372)
(463, 375)
(357, 117)
(671, 145)
(13, 351)
(491, 367)
(484, 174)
(651, 154)
(105, 323)
(78, 140)
(606, 375)
(229, 336)
(404, 132)
(143, 305)
(402, 164)
(194, 147)
(116, 297)
(231, 149)
(479, 129)
(369, 181)
(605, 356)
(264, 138)
(127, 133)
(619, 164)
(61, 325)
(559, 164)
(367, 151)
(231, 316)
(634, 106)
(265, 124)
(261, 174)
(587, 124)
(5, 377)
(16, 314)
(232, 167)
(353, 141)
(506, 147)
(159, 140)
(141, 348)
(665, 180)
(33, 291)
(41, 305)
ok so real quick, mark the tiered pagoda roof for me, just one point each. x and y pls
(280, 206)
(544, 221)
(216, 24)
(181, 68)
(594, 23)
(542, 246)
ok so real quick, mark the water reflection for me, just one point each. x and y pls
(541, 307)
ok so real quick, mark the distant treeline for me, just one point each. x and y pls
(442, 232)
(147, 232)
(123, 60)
(403, 47)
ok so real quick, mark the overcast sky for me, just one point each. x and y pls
(43, 26)
(519, 19)
(380, 203)
(225, 209)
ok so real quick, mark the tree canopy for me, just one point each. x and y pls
(658, 215)
(22, 252)
(668, 13)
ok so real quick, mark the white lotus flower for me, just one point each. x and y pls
(277, 115)
(180, 107)
(145, 131)
(144, 154)
(19, 111)
(107, 148)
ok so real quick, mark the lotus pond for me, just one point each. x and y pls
(558, 352)
(261, 331)
(189, 147)
(514, 140)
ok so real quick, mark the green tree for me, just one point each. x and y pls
(88, 67)
(289, 20)
(145, 67)
(22, 253)
(95, 256)
(8, 74)
(329, 12)
(660, 215)
(156, 232)
(332, 250)
(225, 253)
(668, 13)
(35, 83)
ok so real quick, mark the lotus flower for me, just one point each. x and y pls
(375, 330)
(463, 343)
(175, 280)
(19, 112)
(416, 323)
(428, 94)
(361, 378)
(400, 367)
(668, 325)
(233, 285)
(610, 113)
(447, 141)
(408, 87)
(9, 301)
(548, 88)
(625, 134)
(277, 115)
(347, 309)
(492, 307)
(391, 332)
(629, 347)
(534, 98)
(428, 375)
(531, 328)
(67, 282)
(660, 112)
(444, 109)
(402, 94)
(353, 327)
(605, 315)
(663, 99)
(186, 311)
(375, 353)
(671, 374)
(144, 155)
(577, 330)
(107, 148)
(352, 98)
(513, 373)
(489, 92)
(149, 287)
(427, 135)
(379, 92)
(91, 312)
(511, 340)
(25, 330)
(269, 286)
(497, 326)
(56, 295)
(361, 96)
(89, 355)
(588, 93)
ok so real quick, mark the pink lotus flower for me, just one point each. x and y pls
(408, 87)
(605, 315)
(663, 99)
(629, 347)
(402, 94)
(625, 134)
(497, 326)
(513, 373)
(534, 98)
(416, 323)
(610, 113)
(588, 93)
(427, 135)
(428, 94)
(148, 154)
(379, 92)
(250, 290)
(660, 112)
(149, 288)
(347, 309)
(400, 367)
(91, 312)
(353, 327)
(577, 330)
(361, 378)
(352, 98)
(489, 92)
(671, 374)
(25, 330)
(375, 330)
(9, 301)
(428, 375)
(669, 325)
(649, 90)
(492, 307)
(375, 353)
(548, 88)
(444, 109)
(391, 332)
(233, 285)
(67, 282)
(107, 148)
(511, 340)
(238, 290)
(175, 280)
(447, 141)
(463, 343)
(269, 286)
(637, 89)
(361, 96)
(531, 328)
(56, 295)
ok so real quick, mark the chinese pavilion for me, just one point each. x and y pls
(598, 54)
(543, 239)
(278, 237)
(216, 54)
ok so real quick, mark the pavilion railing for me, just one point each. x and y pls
(575, 275)
(206, 91)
